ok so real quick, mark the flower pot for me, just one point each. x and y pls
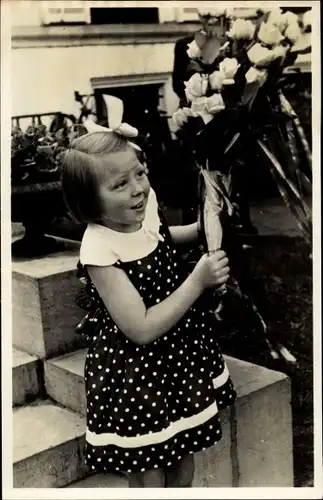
(35, 205)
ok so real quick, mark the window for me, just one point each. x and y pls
(123, 15)
(187, 15)
(68, 15)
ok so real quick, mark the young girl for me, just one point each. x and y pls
(155, 379)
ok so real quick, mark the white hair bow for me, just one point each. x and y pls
(115, 113)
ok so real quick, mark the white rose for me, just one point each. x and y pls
(290, 18)
(216, 80)
(303, 43)
(215, 104)
(261, 56)
(193, 50)
(254, 75)
(242, 29)
(307, 19)
(293, 32)
(229, 67)
(199, 104)
(269, 34)
(280, 51)
(181, 116)
(199, 109)
(196, 86)
(207, 107)
(276, 17)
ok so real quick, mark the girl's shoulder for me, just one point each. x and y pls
(102, 246)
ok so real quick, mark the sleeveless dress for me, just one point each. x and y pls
(149, 405)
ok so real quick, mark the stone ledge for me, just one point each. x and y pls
(48, 265)
(107, 34)
(45, 312)
(27, 382)
(48, 446)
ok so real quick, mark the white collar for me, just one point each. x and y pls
(103, 246)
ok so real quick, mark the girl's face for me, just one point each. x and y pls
(123, 192)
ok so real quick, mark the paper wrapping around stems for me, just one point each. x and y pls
(215, 199)
(212, 225)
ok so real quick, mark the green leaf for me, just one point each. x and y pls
(200, 39)
(195, 67)
(211, 49)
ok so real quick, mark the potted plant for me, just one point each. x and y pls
(36, 195)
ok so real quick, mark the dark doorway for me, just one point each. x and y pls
(111, 15)
(140, 104)
(141, 110)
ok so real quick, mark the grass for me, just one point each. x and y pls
(281, 267)
(284, 266)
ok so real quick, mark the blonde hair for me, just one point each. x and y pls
(81, 166)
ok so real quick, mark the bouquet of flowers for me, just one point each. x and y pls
(236, 112)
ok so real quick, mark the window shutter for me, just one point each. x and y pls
(187, 15)
(167, 15)
(52, 14)
(76, 15)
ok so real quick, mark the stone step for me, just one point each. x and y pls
(48, 446)
(27, 379)
(45, 312)
(256, 448)
(64, 380)
(101, 481)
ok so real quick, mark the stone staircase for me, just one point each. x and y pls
(49, 402)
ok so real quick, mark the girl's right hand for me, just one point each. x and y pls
(212, 270)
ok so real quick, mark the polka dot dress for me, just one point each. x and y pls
(150, 405)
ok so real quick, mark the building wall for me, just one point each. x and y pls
(49, 63)
(26, 13)
(44, 79)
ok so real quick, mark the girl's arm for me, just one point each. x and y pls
(128, 310)
(184, 234)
